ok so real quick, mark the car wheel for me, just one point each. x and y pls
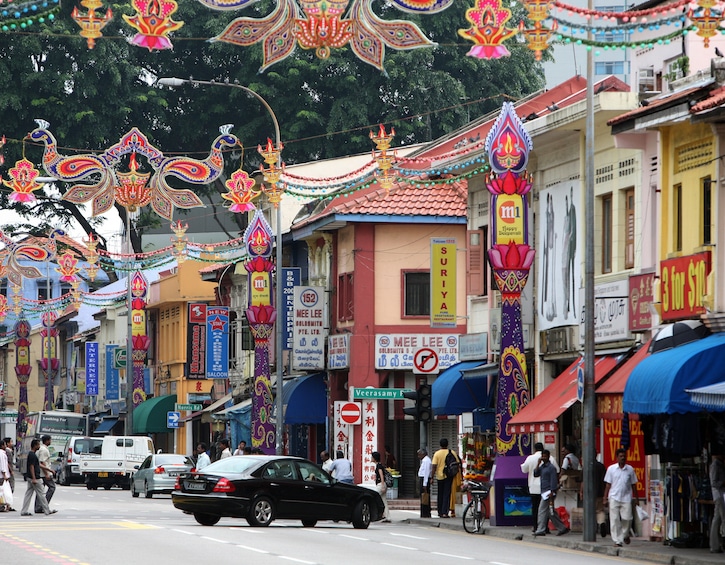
(309, 523)
(361, 515)
(261, 513)
(146, 492)
(206, 519)
(134, 493)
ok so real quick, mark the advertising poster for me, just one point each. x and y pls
(196, 342)
(92, 368)
(217, 339)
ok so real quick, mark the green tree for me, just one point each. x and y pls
(326, 108)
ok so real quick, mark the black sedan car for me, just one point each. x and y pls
(261, 488)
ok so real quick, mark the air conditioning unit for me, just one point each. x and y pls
(560, 340)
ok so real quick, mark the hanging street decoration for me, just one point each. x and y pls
(705, 19)
(241, 192)
(49, 361)
(508, 145)
(13, 253)
(22, 182)
(272, 173)
(23, 16)
(384, 159)
(324, 25)
(23, 368)
(488, 30)
(153, 23)
(131, 187)
(90, 24)
(139, 336)
(538, 36)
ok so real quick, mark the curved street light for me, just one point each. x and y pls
(176, 82)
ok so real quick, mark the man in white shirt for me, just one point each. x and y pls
(621, 488)
(4, 472)
(226, 452)
(326, 462)
(202, 459)
(529, 466)
(46, 471)
(341, 469)
(424, 475)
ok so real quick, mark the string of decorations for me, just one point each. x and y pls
(620, 29)
(21, 16)
(651, 42)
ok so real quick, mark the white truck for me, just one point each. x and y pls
(120, 456)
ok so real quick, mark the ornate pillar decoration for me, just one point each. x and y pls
(141, 341)
(261, 314)
(49, 361)
(22, 371)
(508, 145)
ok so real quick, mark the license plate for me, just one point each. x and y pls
(102, 475)
(173, 473)
(195, 486)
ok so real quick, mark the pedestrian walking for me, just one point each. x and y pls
(10, 452)
(380, 485)
(717, 485)
(546, 471)
(424, 478)
(46, 470)
(34, 484)
(621, 488)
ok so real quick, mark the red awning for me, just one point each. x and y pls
(542, 413)
(610, 394)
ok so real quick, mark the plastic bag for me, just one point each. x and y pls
(641, 513)
(7, 493)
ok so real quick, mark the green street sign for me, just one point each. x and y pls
(119, 358)
(8, 414)
(187, 407)
(380, 393)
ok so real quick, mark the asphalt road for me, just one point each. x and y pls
(112, 528)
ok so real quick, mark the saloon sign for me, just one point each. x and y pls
(684, 286)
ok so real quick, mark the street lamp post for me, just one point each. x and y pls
(176, 82)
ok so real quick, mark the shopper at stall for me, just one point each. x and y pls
(717, 484)
(528, 466)
(620, 490)
(549, 485)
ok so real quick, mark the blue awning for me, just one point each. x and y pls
(305, 399)
(105, 426)
(463, 387)
(659, 383)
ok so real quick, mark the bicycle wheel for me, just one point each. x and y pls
(471, 519)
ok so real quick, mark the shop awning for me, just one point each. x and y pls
(658, 384)
(711, 397)
(305, 400)
(609, 394)
(542, 413)
(105, 426)
(240, 407)
(463, 387)
(150, 416)
(218, 404)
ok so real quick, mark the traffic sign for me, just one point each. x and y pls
(580, 384)
(8, 415)
(119, 358)
(187, 407)
(425, 362)
(351, 413)
(172, 419)
(380, 393)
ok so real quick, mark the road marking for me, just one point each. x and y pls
(183, 532)
(451, 555)
(296, 560)
(39, 550)
(407, 536)
(400, 546)
(215, 539)
(354, 537)
(498, 563)
(251, 548)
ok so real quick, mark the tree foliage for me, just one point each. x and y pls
(326, 108)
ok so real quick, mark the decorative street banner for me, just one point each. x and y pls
(338, 351)
(113, 388)
(443, 283)
(310, 334)
(291, 277)
(141, 340)
(196, 342)
(217, 338)
(92, 368)
(683, 286)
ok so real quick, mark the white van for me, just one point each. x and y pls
(69, 459)
(120, 455)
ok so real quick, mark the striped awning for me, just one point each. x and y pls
(711, 396)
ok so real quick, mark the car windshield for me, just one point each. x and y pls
(171, 459)
(238, 464)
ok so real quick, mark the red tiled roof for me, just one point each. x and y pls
(565, 94)
(716, 98)
(658, 102)
(404, 199)
(213, 267)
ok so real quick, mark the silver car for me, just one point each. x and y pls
(158, 473)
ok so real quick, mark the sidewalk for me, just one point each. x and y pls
(639, 550)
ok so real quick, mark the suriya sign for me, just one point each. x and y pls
(443, 283)
(684, 286)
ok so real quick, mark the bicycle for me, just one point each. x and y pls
(475, 512)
